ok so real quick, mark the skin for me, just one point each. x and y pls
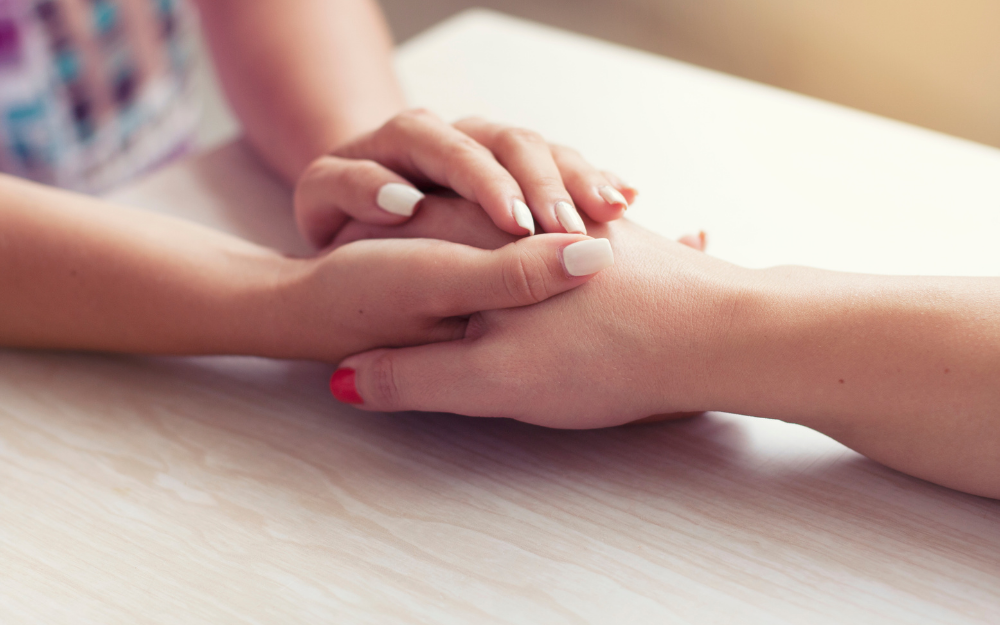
(305, 78)
(313, 86)
(901, 369)
(490, 164)
(80, 273)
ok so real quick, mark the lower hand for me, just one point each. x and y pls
(637, 340)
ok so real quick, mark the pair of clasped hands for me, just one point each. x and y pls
(519, 294)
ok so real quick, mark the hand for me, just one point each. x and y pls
(456, 220)
(512, 173)
(382, 293)
(901, 369)
(602, 355)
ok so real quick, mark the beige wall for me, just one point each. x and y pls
(930, 62)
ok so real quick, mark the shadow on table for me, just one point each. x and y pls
(272, 426)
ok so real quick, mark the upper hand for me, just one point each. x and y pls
(517, 177)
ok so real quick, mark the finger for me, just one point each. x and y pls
(526, 272)
(442, 377)
(627, 190)
(592, 190)
(531, 270)
(435, 280)
(698, 241)
(527, 156)
(445, 218)
(335, 189)
(418, 145)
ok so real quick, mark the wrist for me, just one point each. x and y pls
(256, 297)
(790, 344)
(293, 311)
(696, 327)
(756, 335)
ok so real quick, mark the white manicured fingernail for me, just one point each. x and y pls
(522, 215)
(586, 257)
(612, 196)
(398, 199)
(569, 218)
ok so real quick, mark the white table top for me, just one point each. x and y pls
(233, 490)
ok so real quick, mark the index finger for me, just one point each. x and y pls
(420, 146)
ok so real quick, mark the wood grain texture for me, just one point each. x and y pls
(235, 490)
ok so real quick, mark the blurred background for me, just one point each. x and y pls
(933, 63)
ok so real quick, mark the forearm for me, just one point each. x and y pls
(303, 76)
(79, 273)
(904, 370)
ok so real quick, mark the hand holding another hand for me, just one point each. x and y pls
(637, 340)
(380, 293)
(514, 174)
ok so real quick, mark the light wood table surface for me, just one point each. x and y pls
(235, 490)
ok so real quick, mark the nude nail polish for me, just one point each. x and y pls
(344, 388)
(569, 218)
(522, 215)
(612, 196)
(398, 199)
(586, 257)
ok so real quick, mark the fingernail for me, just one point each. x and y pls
(624, 186)
(343, 387)
(703, 238)
(522, 215)
(398, 199)
(612, 196)
(569, 218)
(586, 257)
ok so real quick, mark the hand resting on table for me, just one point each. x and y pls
(902, 369)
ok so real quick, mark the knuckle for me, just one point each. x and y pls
(563, 154)
(565, 150)
(463, 150)
(524, 278)
(317, 173)
(418, 112)
(319, 167)
(385, 383)
(473, 120)
(549, 181)
(365, 171)
(409, 119)
(517, 138)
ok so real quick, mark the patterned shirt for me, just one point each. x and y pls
(93, 92)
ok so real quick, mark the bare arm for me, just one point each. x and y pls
(80, 273)
(303, 76)
(905, 370)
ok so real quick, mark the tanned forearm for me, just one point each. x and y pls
(302, 76)
(903, 370)
(80, 273)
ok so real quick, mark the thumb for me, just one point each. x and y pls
(525, 272)
(441, 377)
(333, 190)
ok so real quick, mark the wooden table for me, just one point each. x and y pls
(235, 490)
